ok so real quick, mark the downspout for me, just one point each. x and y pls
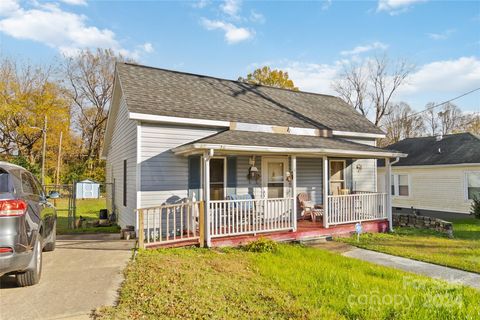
(394, 162)
(388, 172)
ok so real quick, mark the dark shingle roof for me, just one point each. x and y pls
(169, 93)
(262, 139)
(451, 149)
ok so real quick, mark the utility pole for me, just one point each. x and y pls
(44, 149)
(59, 157)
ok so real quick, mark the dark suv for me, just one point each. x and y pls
(27, 224)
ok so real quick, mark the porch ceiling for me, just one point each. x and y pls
(261, 142)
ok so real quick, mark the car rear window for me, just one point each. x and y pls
(4, 187)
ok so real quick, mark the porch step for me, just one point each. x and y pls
(312, 240)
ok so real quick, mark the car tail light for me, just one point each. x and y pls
(9, 208)
(6, 250)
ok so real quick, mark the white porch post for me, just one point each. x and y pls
(294, 191)
(325, 191)
(388, 175)
(206, 197)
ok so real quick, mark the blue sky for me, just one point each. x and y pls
(309, 39)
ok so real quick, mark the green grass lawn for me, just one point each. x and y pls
(87, 208)
(293, 283)
(462, 252)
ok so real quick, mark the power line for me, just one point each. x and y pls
(445, 102)
(437, 105)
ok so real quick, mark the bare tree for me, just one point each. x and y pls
(430, 119)
(451, 118)
(372, 87)
(400, 122)
(352, 86)
(90, 80)
(385, 83)
(472, 123)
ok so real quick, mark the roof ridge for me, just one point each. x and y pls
(223, 79)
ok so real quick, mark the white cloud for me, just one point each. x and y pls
(7, 7)
(444, 77)
(434, 81)
(75, 2)
(326, 4)
(365, 48)
(233, 34)
(394, 7)
(66, 31)
(231, 7)
(257, 17)
(441, 36)
(201, 4)
(310, 77)
(148, 47)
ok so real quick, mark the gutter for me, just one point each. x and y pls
(188, 148)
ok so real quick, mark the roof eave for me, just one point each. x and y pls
(191, 148)
(112, 114)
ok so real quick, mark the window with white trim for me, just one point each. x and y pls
(472, 184)
(400, 185)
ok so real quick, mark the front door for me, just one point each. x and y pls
(274, 177)
(217, 178)
(337, 176)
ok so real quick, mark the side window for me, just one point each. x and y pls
(392, 183)
(124, 183)
(473, 184)
(28, 184)
(4, 182)
(39, 186)
(403, 185)
(400, 185)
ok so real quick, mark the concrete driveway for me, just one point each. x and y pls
(83, 273)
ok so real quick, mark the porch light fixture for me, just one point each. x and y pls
(358, 167)
(289, 176)
(253, 171)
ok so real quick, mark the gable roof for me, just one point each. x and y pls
(236, 140)
(162, 92)
(460, 148)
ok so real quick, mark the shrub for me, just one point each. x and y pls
(262, 245)
(475, 209)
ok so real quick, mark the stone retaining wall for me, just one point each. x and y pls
(422, 222)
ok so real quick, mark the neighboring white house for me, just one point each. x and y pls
(440, 173)
(170, 134)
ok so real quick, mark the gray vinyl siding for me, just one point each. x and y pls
(244, 185)
(310, 178)
(164, 176)
(364, 179)
(123, 147)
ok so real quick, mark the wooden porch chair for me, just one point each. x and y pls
(308, 207)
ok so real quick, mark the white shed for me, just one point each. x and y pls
(88, 189)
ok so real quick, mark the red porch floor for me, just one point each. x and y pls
(305, 229)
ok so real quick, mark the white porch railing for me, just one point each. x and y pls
(169, 223)
(356, 207)
(247, 216)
